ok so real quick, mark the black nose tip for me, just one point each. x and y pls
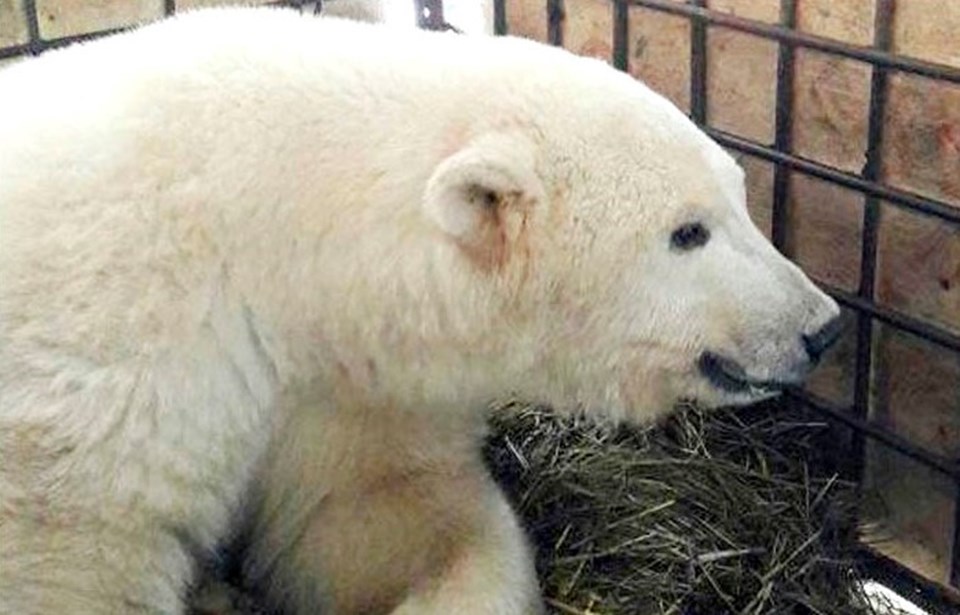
(817, 343)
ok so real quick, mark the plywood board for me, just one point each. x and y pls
(659, 53)
(917, 395)
(928, 29)
(917, 391)
(741, 83)
(910, 512)
(830, 109)
(759, 181)
(850, 21)
(825, 223)
(60, 18)
(528, 18)
(922, 144)
(918, 267)
(760, 10)
(588, 28)
(192, 4)
(13, 23)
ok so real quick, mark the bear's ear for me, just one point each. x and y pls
(481, 195)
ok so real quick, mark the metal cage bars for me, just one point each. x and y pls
(867, 182)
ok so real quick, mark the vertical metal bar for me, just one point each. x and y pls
(783, 137)
(621, 34)
(429, 14)
(35, 45)
(698, 67)
(500, 17)
(955, 546)
(555, 17)
(883, 28)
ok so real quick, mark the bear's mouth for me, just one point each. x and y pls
(728, 375)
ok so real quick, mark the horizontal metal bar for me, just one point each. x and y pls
(39, 46)
(801, 39)
(898, 320)
(897, 442)
(899, 198)
(12, 52)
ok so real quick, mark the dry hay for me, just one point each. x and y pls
(708, 514)
(727, 512)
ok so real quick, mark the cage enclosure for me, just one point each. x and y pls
(846, 119)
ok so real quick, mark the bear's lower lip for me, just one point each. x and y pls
(727, 375)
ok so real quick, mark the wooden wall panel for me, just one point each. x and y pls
(917, 390)
(850, 21)
(760, 10)
(830, 109)
(741, 83)
(922, 145)
(528, 18)
(759, 181)
(916, 393)
(825, 223)
(59, 18)
(13, 23)
(659, 53)
(928, 29)
(372, 7)
(919, 267)
(588, 30)
(911, 510)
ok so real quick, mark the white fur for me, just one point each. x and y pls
(244, 274)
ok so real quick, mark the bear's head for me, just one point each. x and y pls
(613, 236)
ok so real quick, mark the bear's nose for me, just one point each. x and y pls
(817, 343)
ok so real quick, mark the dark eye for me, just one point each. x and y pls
(690, 236)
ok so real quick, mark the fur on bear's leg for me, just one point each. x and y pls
(369, 512)
(444, 542)
(491, 572)
(110, 486)
(90, 568)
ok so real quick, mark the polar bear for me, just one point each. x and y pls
(265, 271)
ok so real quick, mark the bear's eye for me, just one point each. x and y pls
(690, 236)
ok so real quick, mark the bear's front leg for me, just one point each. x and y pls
(488, 572)
(378, 514)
